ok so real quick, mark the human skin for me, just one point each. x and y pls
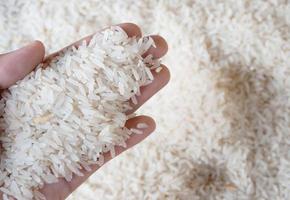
(15, 65)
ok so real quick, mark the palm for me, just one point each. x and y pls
(14, 66)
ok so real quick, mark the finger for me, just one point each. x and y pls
(160, 48)
(65, 188)
(160, 80)
(17, 64)
(130, 29)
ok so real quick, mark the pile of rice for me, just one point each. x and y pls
(61, 119)
(222, 122)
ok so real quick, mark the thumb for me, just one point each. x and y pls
(17, 64)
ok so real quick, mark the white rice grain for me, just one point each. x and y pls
(158, 69)
(136, 131)
(142, 126)
(77, 106)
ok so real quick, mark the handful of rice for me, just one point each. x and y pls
(61, 119)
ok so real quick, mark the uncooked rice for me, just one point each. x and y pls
(207, 139)
(158, 69)
(136, 131)
(142, 125)
(61, 118)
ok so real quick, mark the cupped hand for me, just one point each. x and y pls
(17, 64)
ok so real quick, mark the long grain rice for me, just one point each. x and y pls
(71, 112)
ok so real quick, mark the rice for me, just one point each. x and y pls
(142, 126)
(193, 138)
(158, 70)
(71, 111)
(136, 131)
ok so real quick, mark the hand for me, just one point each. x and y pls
(15, 65)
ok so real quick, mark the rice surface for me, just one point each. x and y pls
(226, 142)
